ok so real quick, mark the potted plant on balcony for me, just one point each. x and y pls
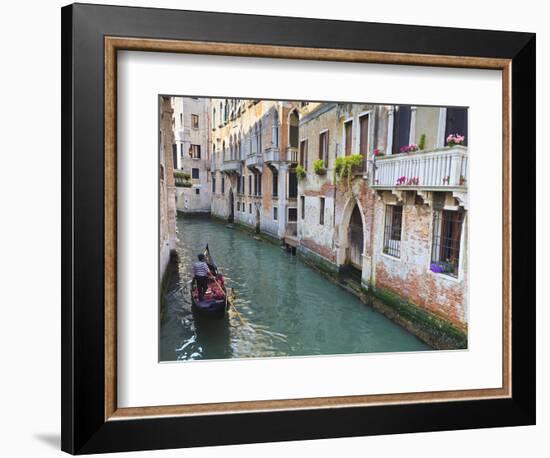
(319, 167)
(409, 148)
(182, 180)
(455, 139)
(422, 142)
(300, 172)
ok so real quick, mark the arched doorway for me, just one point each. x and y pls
(231, 217)
(355, 239)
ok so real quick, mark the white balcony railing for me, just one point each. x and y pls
(254, 160)
(291, 154)
(231, 166)
(271, 154)
(442, 169)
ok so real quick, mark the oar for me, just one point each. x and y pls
(235, 309)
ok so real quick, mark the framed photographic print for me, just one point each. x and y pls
(284, 228)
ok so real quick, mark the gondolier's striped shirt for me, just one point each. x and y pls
(200, 269)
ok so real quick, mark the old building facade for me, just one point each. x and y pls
(397, 220)
(191, 153)
(254, 155)
(167, 210)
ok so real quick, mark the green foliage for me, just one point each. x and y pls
(319, 167)
(422, 142)
(182, 175)
(183, 184)
(343, 167)
(300, 172)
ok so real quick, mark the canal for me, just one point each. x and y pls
(286, 308)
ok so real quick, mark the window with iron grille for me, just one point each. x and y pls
(195, 121)
(447, 231)
(392, 230)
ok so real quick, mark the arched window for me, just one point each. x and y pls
(275, 129)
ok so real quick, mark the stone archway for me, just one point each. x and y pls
(352, 209)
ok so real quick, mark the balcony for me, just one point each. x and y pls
(271, 154)
(231, 166)
(444, 169)
(291, 154)
(254, 161)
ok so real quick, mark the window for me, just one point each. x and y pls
(322, 211)
(456, 122)
(195, 174)
(292, 215)
(250, 208)
(238, 206)
(259, 184)
(195, 151)
(348, 128)
(303, 206)
(242, 184)
(323, 147)
(213, 184)
(238, 185)
(197, 191)
(303, 154)
(223, 185)
(195, 121)
(392, 230)
(446, 241)
(181, 119)
(175, 155)
(292, 184)
(293, 129)
(364, 136)
(275, 215)
(249, 185)
(401, 127)
(275, 184)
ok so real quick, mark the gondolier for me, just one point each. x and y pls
(201, 273)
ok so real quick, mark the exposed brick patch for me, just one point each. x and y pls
(319, 249)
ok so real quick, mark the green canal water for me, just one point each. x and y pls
(286, 307)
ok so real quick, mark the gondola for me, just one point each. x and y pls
(214, 305)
